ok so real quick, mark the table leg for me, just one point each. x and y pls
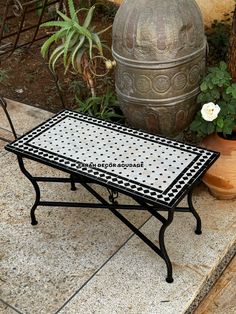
(36, 188)
(166, 258)
(165, 224)
(72, 186)
(193, 211)
(161, 251)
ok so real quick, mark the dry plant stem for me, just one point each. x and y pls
(232, 49)
(91, 84)
(88, 77)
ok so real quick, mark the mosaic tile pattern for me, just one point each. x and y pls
(156, 168)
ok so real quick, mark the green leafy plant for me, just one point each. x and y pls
(105, 107)
(77, 89)
(218, 103)
(77, 43)
(77, 86)
(38, 7)
(218, 39)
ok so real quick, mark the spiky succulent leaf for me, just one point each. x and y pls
(76, 39)
(56, 24)
(50, 41)
(55, 60)
(83, 31)
(63, 16)
(55, 52)
(89, 17)
(98, 43)
(79, 56)
(67, 44)
(76, 50)
(72, 10)
(47, 44)
(90, 48)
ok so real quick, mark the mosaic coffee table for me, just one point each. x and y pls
(155, 172)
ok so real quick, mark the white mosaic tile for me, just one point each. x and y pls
(156, 168)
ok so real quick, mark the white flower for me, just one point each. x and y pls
(210, 111)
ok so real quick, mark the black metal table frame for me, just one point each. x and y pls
(113, 206)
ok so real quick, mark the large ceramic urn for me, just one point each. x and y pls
(160, 49)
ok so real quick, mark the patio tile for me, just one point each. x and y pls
(222, 297)
(24, 117)
(5, 309)
(2, 151)
(44, 265)
(5, 135)
(134, 279)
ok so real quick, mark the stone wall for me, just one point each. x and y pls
(211, 9)
(215, 9)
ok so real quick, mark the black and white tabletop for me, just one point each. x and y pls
(155, 168)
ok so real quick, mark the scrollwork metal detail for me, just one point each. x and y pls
(17, 8)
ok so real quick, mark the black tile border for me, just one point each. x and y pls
(169, 198)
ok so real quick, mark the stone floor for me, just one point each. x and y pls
(78, 261)
(222, 297)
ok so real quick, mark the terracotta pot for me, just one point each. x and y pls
(221, 177)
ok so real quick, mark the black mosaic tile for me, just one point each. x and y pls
(148, 165)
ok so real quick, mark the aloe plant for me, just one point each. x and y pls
(76, 42)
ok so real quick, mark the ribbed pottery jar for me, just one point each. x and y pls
(160, 50)
(221, 176)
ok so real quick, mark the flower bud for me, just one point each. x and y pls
(110, 64)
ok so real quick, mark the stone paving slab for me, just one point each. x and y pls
(4, 135)
(5, 309)
(133, 280)
(24, 117)
(222, 297)
(42, 266)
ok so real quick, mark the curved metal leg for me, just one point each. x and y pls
(36, 188)
(37, 199)
(166, 258)
(113, 195)
(195, 214)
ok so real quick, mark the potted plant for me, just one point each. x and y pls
(215, 122)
